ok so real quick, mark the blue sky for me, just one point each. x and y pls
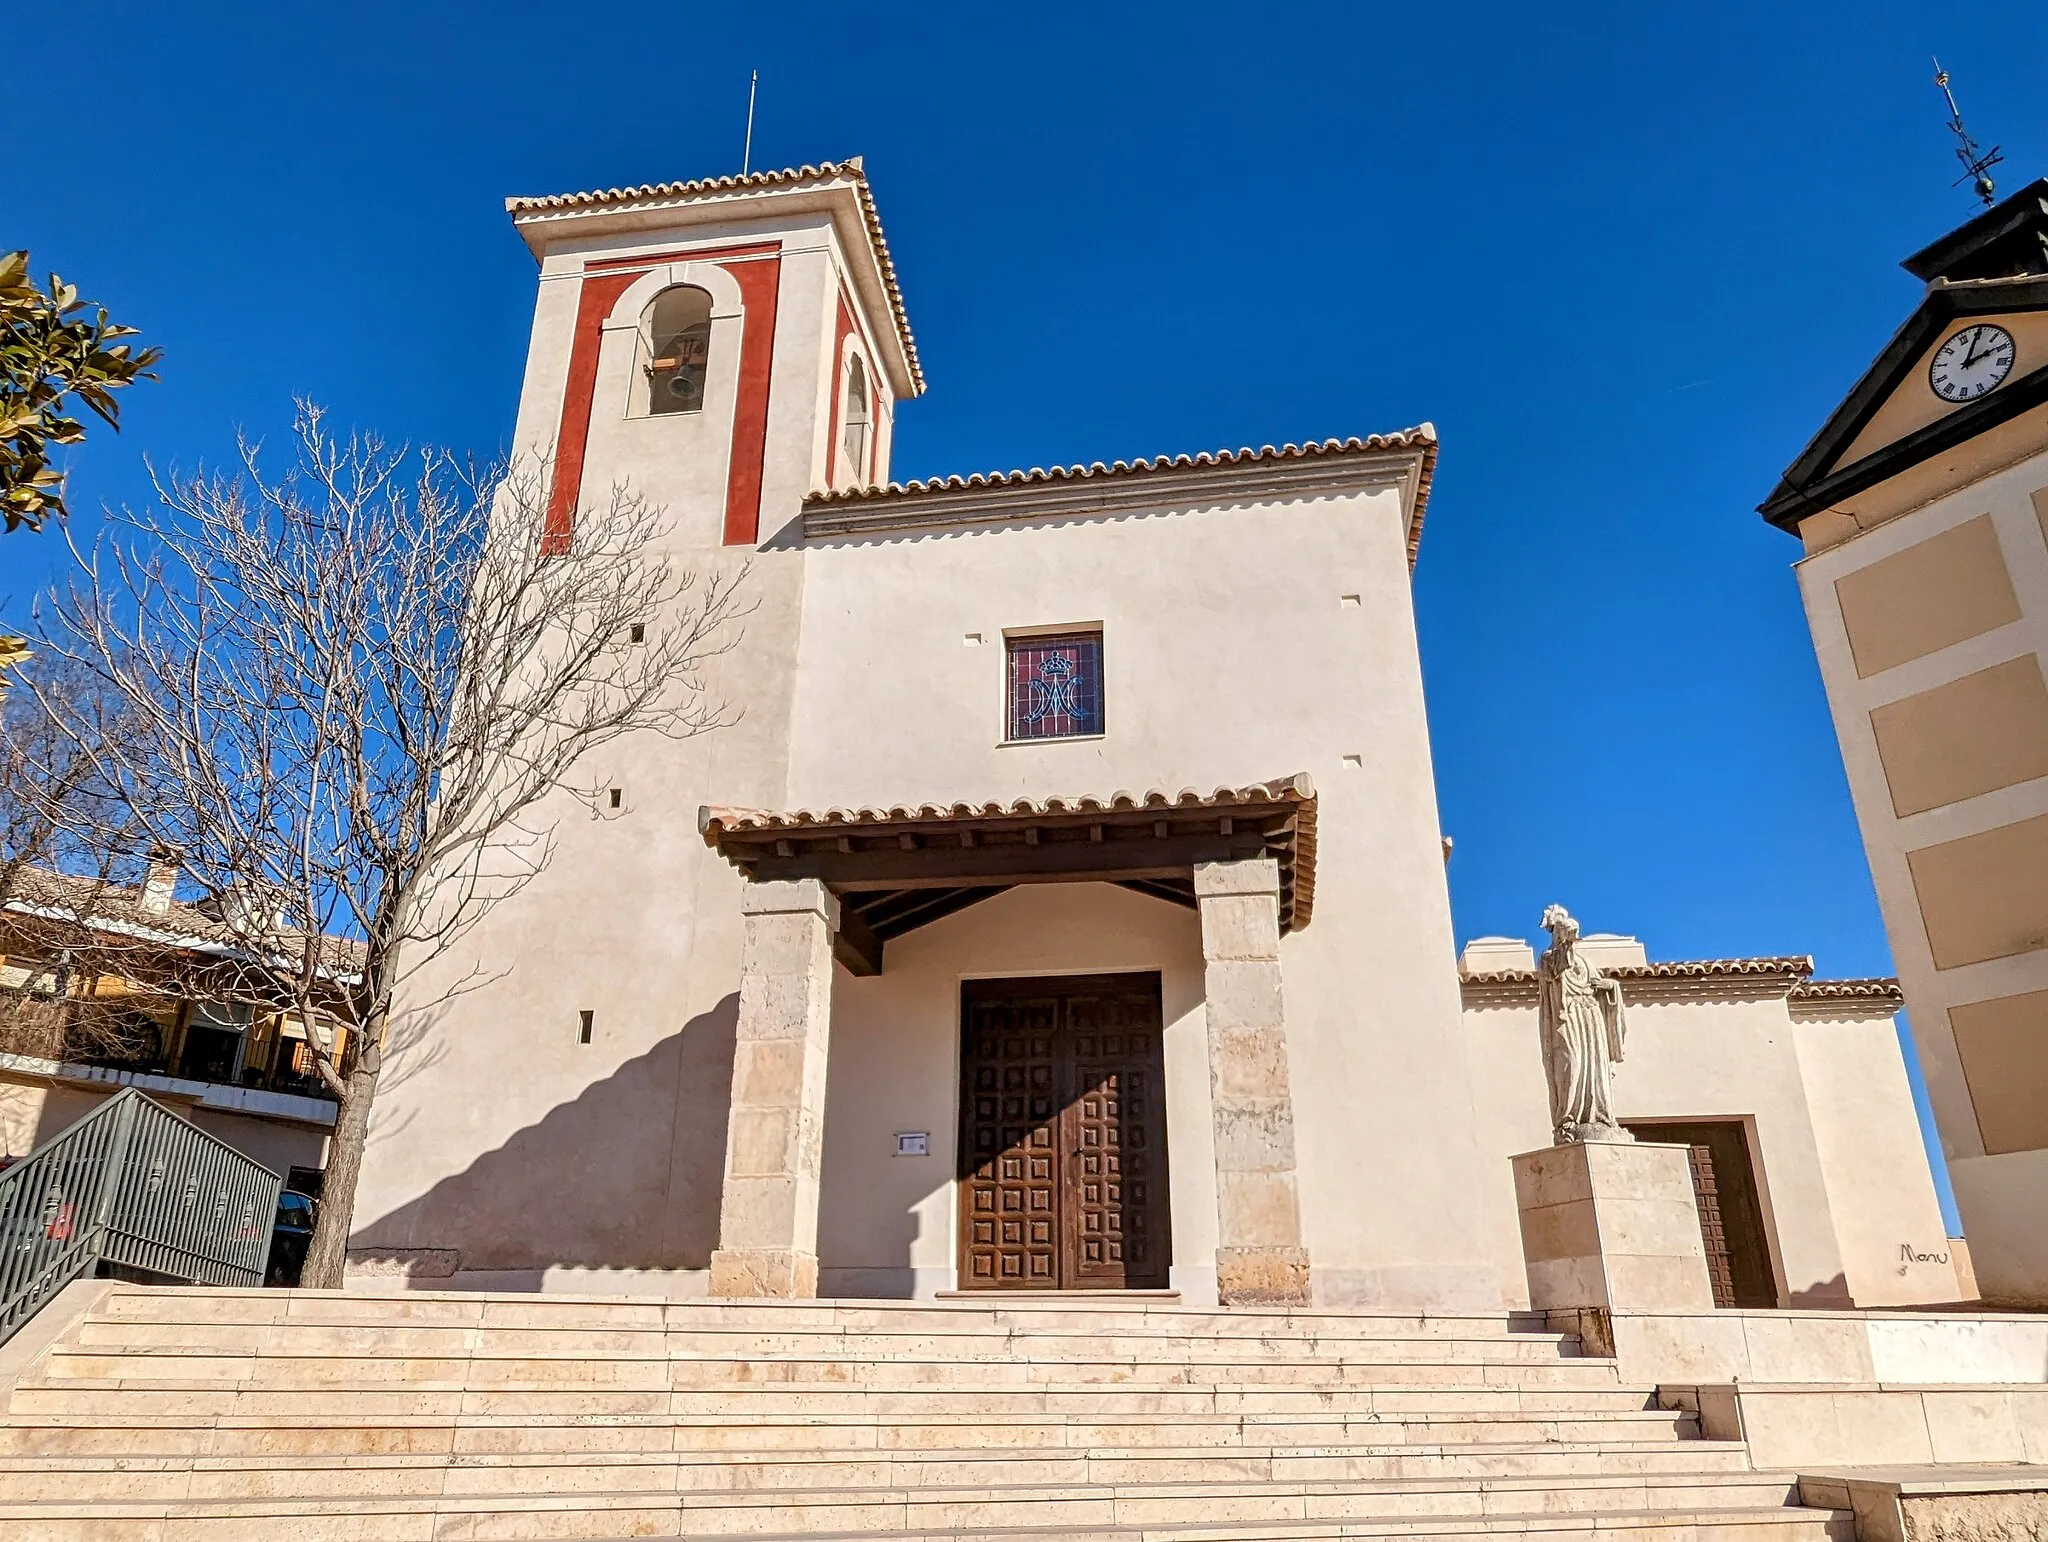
(1625, 257)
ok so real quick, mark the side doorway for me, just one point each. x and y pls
(1731, 1207)
(1063, 1134)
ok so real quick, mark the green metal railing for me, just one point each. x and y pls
(131, 1184)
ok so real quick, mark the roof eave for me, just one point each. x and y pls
(1406, 460)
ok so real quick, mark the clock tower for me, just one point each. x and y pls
(1922, 505)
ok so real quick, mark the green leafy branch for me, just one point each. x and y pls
(53, 346)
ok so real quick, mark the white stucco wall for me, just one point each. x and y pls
(1240, 644)
(1842, 1176)
(1895, 1248)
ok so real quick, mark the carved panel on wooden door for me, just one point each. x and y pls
(1063, 1134)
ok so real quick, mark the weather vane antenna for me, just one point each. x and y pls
(1977, 161)
(747, 153)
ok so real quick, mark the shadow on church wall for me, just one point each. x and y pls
(625, 1176)
(1830, 1295)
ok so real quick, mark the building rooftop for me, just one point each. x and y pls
(124, 911)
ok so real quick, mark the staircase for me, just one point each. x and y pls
(167, 1414)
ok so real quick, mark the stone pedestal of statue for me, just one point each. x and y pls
(1611, 1226)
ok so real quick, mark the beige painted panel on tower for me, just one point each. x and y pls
(1927, 597)
(2041, 510)
(1970, 736)
(2004, 1045)
(1984, 896)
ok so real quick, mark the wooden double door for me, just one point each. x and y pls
(1063, 1134)
(1731, 1211)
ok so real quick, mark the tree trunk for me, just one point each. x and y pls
(328, 1255)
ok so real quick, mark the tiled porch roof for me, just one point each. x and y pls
(900, 866)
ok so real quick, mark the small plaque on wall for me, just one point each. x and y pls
(913, 1143)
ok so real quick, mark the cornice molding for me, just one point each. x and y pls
(1035, 498)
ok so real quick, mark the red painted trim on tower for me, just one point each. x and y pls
(594, 302)
(604, 281)
(760, 284)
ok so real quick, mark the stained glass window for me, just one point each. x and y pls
(1055, 686)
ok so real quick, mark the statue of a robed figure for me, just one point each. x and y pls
(1583, 1036)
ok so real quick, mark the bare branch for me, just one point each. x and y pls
(361, 694)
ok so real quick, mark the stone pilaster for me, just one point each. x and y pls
(1259, 1257)
(768, 1213)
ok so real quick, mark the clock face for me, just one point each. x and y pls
(1974, 361)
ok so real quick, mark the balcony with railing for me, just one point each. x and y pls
(218, 1055)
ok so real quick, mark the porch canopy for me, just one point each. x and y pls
(895, 869)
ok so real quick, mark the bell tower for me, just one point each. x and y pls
(1922, 508)
(721, 347)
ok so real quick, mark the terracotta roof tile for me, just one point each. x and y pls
(98, 903)
(1422, 437)
(1875, 989)
(1790, 966)
(713, 821)
(1795, 969)
(787, 177)
(717, 824)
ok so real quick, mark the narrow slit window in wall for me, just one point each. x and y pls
(617, 794)
(1055, 686)
(859, 420)
(584, 1019)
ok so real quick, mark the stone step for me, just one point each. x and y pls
(234, 1435)
(862, 1316)
(218, 1415)
(139, 1475)
(170, 1363)
(433, 1522)
(1768, 1525)
(113, 1397)
(655, 1341)
(824, 1512)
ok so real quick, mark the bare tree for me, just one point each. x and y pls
(366, 689)
(65, 845)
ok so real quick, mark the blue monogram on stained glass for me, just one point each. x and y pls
(1055, 686)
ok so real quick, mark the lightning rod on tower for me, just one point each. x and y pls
(1977, 162)
(747, 153)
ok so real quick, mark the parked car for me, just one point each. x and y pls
(290, 1237)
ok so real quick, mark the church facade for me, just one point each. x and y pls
(1067, 908)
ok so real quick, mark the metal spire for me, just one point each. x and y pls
(1977, 162)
